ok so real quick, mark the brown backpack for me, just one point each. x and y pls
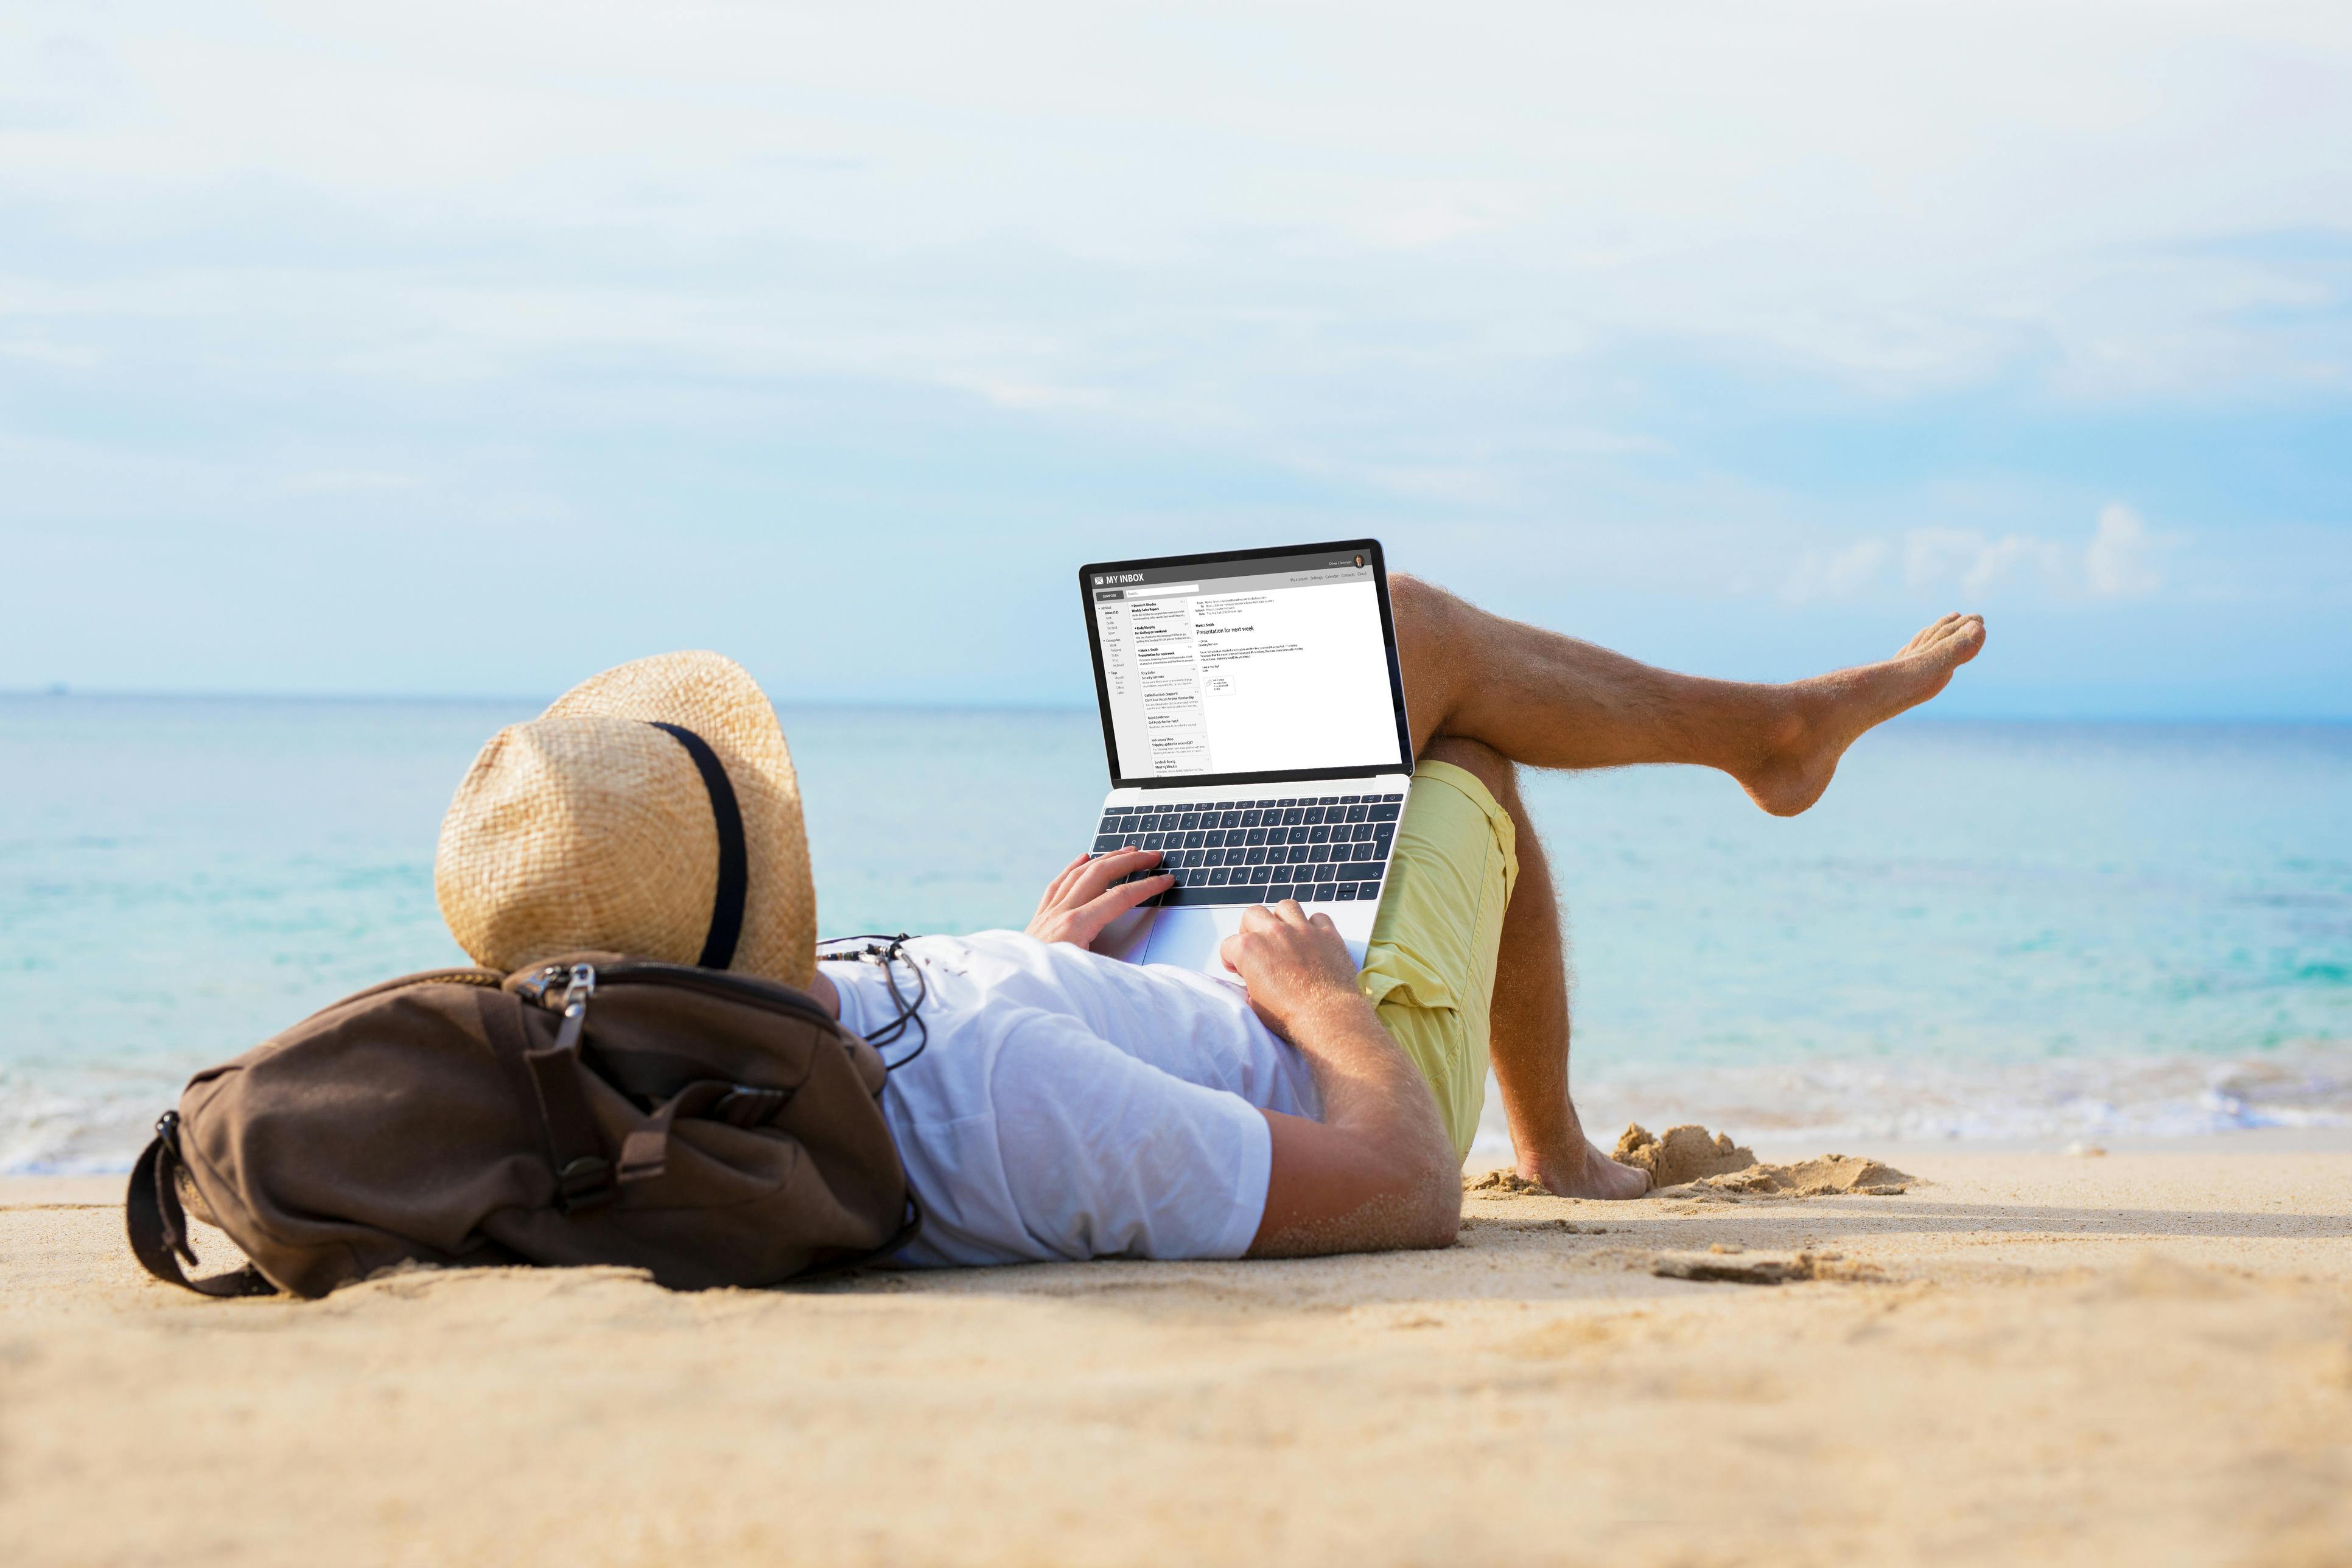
(710, 1127)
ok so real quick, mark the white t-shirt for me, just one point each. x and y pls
(1071, 1106)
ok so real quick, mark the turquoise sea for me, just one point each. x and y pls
(1984, 931)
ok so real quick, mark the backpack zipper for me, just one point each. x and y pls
(554, 986)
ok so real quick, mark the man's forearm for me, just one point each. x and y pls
(1377, 1171)
(1368, 1085)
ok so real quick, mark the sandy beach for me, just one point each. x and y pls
(2024, 1357)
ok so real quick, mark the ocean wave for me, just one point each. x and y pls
(2308, 1084)
(94, 1129)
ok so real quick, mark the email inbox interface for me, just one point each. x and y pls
(1249, 666)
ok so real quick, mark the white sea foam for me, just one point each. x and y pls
(44, 1132)
(2304, 1085)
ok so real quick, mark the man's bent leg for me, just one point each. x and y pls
(1429, 969)
(1534, 697)
(1550, 702)
(1527, 1033)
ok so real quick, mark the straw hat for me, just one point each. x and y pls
(651, 810)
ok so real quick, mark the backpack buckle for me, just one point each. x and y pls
(587, 1183)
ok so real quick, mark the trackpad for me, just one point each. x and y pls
(1190, 939)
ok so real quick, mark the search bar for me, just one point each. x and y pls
(1161, 590)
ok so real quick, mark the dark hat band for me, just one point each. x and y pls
(734, 860)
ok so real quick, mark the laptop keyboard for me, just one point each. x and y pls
(1319, 849)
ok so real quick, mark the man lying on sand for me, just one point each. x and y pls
(1068, 1105)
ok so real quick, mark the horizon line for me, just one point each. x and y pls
(59, 690)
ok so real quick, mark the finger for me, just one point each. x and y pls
(1322, 921)
(1230, 951)
(1289, 912)
(1062, 879)
(1102, 871)
(1258, 918)
(1099, 912)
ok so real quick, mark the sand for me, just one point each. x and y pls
(2142, 1358)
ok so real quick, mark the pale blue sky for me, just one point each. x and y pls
(443, 348)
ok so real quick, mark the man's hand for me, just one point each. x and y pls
(1082, 900)
(1296, 966)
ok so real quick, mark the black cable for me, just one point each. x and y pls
(892, 949)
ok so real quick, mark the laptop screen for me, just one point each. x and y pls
(1247, 666)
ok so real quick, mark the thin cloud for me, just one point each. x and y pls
(1847, 574)
(2121, 563)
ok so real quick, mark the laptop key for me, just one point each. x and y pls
(1318, 833)
(1362, 833)
(1356, 812)
(1346, 892)
(1105, 842)
(1277, 893)
(1383, 813)
(1380, 837)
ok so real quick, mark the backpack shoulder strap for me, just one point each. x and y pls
(584, 1177)
(159, 1226)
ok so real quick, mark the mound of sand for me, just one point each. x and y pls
(1506, 1185)
(1821, 1178)
(1685, 1153)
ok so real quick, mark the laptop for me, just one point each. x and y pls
(1253, 710)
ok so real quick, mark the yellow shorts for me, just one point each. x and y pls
(1429, 969)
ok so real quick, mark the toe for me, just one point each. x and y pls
(1927, 635)
(1959, 642)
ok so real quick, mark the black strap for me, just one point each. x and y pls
(734, 860)
(159, 1226)
(907, 1231)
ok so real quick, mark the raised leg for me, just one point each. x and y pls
(1550, 702)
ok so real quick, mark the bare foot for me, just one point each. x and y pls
(1828, 712)
(1596, 1176)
